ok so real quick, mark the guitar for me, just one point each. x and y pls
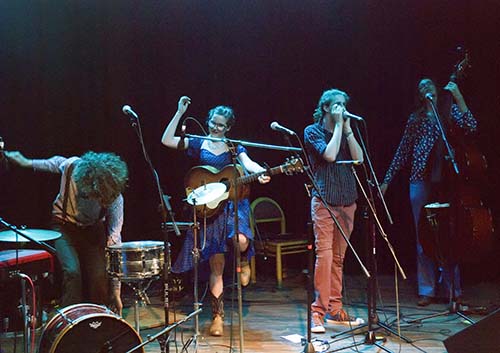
(202, 175)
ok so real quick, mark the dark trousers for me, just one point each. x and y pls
(82, 255)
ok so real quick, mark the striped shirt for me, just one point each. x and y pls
(336, 182)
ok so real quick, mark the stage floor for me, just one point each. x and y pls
(271, 317)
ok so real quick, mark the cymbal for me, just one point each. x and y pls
(206, 193)
(37, 234)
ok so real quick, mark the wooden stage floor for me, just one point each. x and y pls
(270, 315)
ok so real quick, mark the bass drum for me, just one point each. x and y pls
(88, 328)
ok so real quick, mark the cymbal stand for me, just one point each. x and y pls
(28, 320)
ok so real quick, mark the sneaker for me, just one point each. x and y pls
(342, 318)
(317, 323)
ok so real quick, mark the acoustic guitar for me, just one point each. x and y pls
(202, 175)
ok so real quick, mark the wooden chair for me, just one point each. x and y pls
(271, 239)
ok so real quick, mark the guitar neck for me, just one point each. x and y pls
(253, 177)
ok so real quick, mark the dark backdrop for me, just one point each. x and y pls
(67, 68)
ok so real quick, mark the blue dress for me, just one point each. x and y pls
(216, 238)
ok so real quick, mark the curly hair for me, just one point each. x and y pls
(326, 99)
(101, 176)
(225, 111)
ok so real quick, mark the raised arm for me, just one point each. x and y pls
(19, 159)
(169, 139)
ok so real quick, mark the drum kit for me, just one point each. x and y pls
(135, 263)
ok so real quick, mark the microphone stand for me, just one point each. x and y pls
(231, 143)
(454, 307)
(449, 149)
(165, 209)
(373, 319)
(308, 347)
(164, 331)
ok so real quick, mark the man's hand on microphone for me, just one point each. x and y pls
(183, 104)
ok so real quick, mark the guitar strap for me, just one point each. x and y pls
(245, 171)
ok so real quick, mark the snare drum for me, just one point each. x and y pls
(135, 260)
(88, 328)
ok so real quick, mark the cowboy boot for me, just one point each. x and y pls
(245, 272)
(217, 326)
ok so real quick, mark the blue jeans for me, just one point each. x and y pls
(420, 195)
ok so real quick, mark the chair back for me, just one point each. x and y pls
(267, 217)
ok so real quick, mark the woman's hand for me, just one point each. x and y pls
(183, 104)
(264, 179)
(452, 87)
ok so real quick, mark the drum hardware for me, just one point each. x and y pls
(436, 236)
(164, 331)
(136, 264)
(37, 236)
(140, 296)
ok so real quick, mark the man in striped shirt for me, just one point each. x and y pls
(328, 140)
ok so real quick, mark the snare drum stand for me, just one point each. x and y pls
(140, 295)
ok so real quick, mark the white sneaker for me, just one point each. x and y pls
(317, 323)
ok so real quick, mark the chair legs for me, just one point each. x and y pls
(279, 267)
(253, 275)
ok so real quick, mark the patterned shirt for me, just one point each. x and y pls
(336, 182)
(419, 137)
(81, 211)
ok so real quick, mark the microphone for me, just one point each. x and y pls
(277, 127)
(128, 111)
(348, 115)
(4, 162)
(430, 97)
(182, 143)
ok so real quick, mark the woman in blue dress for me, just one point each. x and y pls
(220, 227)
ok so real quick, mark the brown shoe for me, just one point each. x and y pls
(217, 326)
(424, 300)
(245, 273)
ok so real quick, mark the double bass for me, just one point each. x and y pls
(459, 228)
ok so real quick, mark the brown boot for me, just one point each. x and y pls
(217, 326)
(245, 272)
